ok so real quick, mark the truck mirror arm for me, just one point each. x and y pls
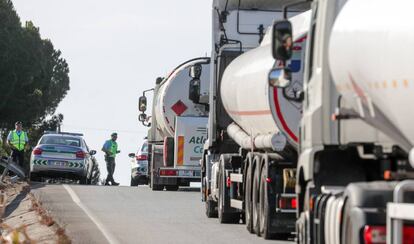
(299, 96)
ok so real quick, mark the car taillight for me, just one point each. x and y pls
(142, 157)
(37, 151)
(166, 172)
(80, 154)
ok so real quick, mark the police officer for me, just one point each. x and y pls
(111, 149)
(18, 142)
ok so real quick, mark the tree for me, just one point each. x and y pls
(33, 75)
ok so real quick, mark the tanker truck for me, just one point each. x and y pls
(250, 156)
(356, 133)
(178, 125)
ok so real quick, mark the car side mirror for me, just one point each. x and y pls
(282, 42)
(142, 104)
(131, 155)
(195, 71)
(92, 152)
(194, 90)
(280, 77)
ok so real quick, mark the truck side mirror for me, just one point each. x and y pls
(280, 77)
(142, 104)
(194, 90)
(195, 71)
(282, 42)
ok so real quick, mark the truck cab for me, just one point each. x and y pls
(346, 166)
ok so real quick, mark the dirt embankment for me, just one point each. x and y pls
(23, 218)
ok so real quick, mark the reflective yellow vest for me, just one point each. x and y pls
(114, 148)
(19, 141)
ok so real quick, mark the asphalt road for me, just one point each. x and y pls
(99, 214)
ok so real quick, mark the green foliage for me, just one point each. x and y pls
(37, 130)
(33, 75)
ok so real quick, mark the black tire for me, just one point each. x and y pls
(224, 199)
(171, 187)
(156, 187)
(211, 209)
(169, 150)
(248, 199)
(266, 212)
(34, 177)
(83, 180)
(255, 198)
(134, 182)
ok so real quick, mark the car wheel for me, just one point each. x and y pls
(83, 180)
(34, 177)
(134, 182)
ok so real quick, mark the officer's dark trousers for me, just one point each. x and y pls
(18, 157)
(110, 167)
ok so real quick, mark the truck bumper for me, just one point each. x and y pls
(188, 173)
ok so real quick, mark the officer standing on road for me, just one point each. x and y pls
(18, 142)
(111, 149)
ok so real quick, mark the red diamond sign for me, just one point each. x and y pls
(179, 107)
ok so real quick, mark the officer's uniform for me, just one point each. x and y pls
(112, 147)
(19, 140)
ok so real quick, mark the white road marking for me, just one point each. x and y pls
(109, 237)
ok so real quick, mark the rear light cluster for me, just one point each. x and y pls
(141, 157)
(80, 154)
(167, 172)
(287, 203)
(37, 151)
(378, 234)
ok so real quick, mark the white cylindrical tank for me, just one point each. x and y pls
(172, 97)
(256, 107)
(370, 57)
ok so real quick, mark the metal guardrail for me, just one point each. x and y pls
(398, 211)
(9, 165)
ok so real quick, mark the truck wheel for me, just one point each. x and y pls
(224, 199)
(248, 199)
(171, 188)
(266, 212)
(211, 210)
(168, 152)
(134, 182)
(255, 198)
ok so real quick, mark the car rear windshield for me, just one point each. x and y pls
(144, 148)
(61, 140)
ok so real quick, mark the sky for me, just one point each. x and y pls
(115, 50)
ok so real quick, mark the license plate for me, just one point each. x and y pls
(186, 173)
(58, 163)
